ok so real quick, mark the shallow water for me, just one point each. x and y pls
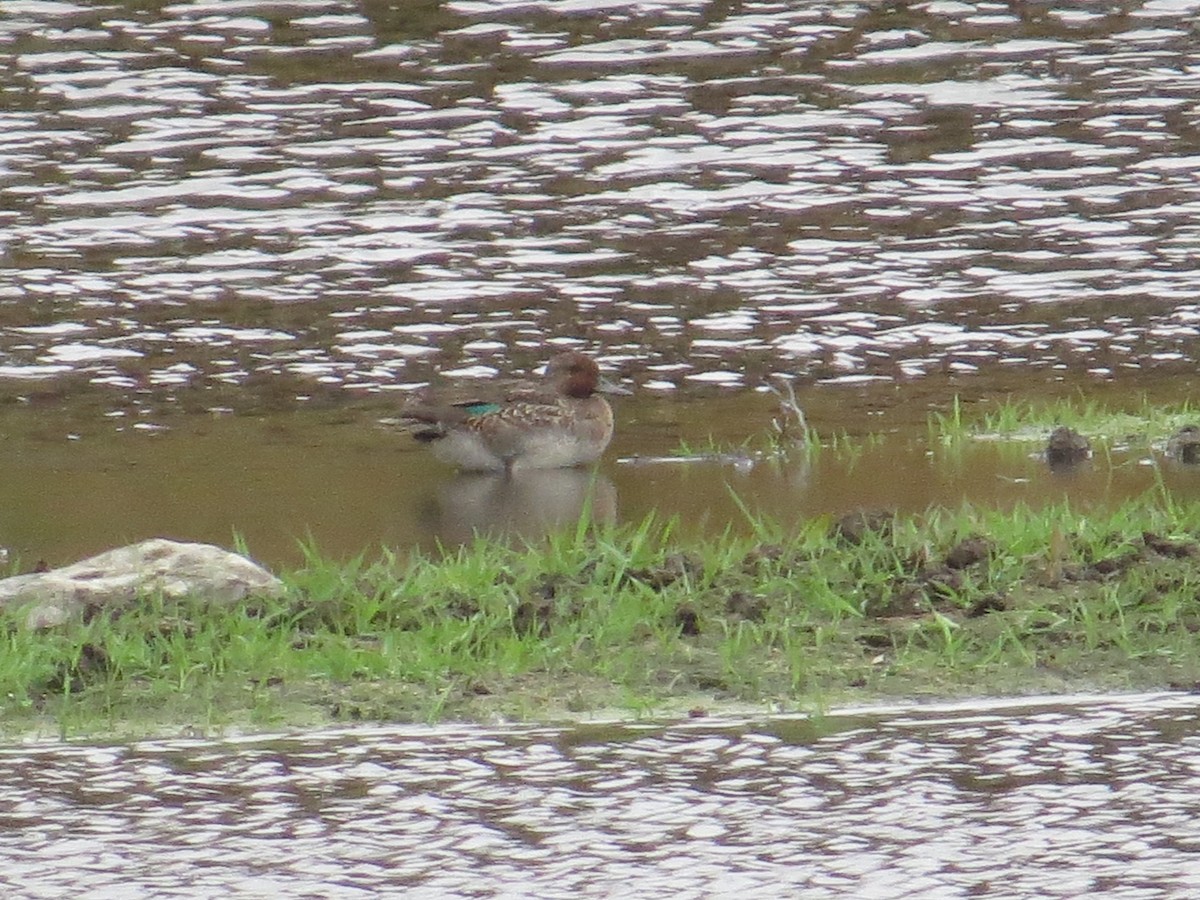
(1067, 797)
(293, 214)
(306, 477)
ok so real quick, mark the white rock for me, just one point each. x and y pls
(118, 578)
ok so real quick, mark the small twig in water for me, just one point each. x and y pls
(791, 416)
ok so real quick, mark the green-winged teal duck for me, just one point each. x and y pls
(560, 422)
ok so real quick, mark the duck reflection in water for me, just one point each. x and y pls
(526, 505)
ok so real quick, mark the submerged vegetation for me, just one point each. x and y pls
(630, 619)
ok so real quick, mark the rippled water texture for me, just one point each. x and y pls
(1056, 799)
(248, 206)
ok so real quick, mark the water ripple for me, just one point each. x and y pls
(1058, 798)
(945, 172)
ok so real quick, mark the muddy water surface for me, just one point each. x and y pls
(235, 235)
(307, 477)
(1061, 798)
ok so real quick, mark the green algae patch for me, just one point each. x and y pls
(639, 620)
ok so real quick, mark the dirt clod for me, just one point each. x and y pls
(968, 552)
(533, 616)
(746, 606)
(988, 604)
(675, 566)
(687, 619)
(1171, 548)
(854, 527)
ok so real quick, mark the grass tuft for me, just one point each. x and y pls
(639, 619)
(1024, 420)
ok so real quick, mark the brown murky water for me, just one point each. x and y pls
(234, 234)
(1072, 797)
(288, 477)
